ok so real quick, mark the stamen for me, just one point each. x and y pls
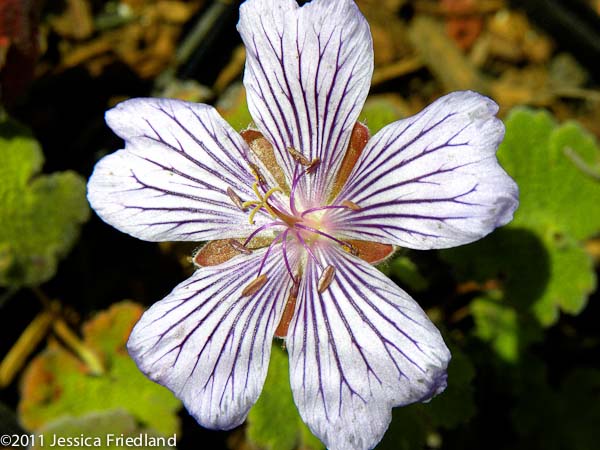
(351, 249)
(285, 258)
(237, 201)
(314, 230)
(299, 157)
(239, 247)
(293, 191)
(256, 173)
(266, 255)
(353, 206)
(288, 312)
(308, 249)
(322, 208)
(326, 278)
(313, 165)
(254, 285)
(262, 228)
(295, 287)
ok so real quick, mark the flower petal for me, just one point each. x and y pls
(431, 180)
(358, 349)
(170, 182)
(209, 344)
(308, 72)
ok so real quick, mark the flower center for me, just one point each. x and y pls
(298, 225)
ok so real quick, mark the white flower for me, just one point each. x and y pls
(290, 219)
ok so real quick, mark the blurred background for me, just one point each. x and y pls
(519, 309)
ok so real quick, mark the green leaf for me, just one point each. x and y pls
(539, 258)
(234, 108)
(56, 383)
(558, 201)
(40, 215)
(499, 323)
(381, 110)
(274, 422)
(406, 272)
(102, 430)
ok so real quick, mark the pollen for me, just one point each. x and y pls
(299, 157)
(254, 286)
(313, 165)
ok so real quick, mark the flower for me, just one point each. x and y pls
(290, 207)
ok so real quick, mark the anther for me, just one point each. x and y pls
(351, 205)
(239, 247)
(254, 285)
(256, 172)
(313, 165)
(237, 201)
(326, 279)
(295, 287)
(299, 157)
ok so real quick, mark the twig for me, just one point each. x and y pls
(581, 164)
(27, 342)
(87, 355)
(396, 69)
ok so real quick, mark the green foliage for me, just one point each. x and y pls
(558, 202)
(40, 215)
(539, 258)
(504, 317)
(508, 330)
(57, 383)
(381, 110)
(413, 425)
(234, 108)
(274, 422)
(101, 430)
(406, 272)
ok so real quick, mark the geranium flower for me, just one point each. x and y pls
(297, 210)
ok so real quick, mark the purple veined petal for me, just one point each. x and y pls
(170, 182)
(308, 72)
(358, 349)
(209, 344)
(431, 180)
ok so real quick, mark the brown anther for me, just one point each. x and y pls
(288, 312)
(257, 173)
(237, 201)
(239, 247)
(295, 287)
(348, 204)
(313, 165)
(326, 279)
(353, 250)
(254, 285)
(299, 157)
